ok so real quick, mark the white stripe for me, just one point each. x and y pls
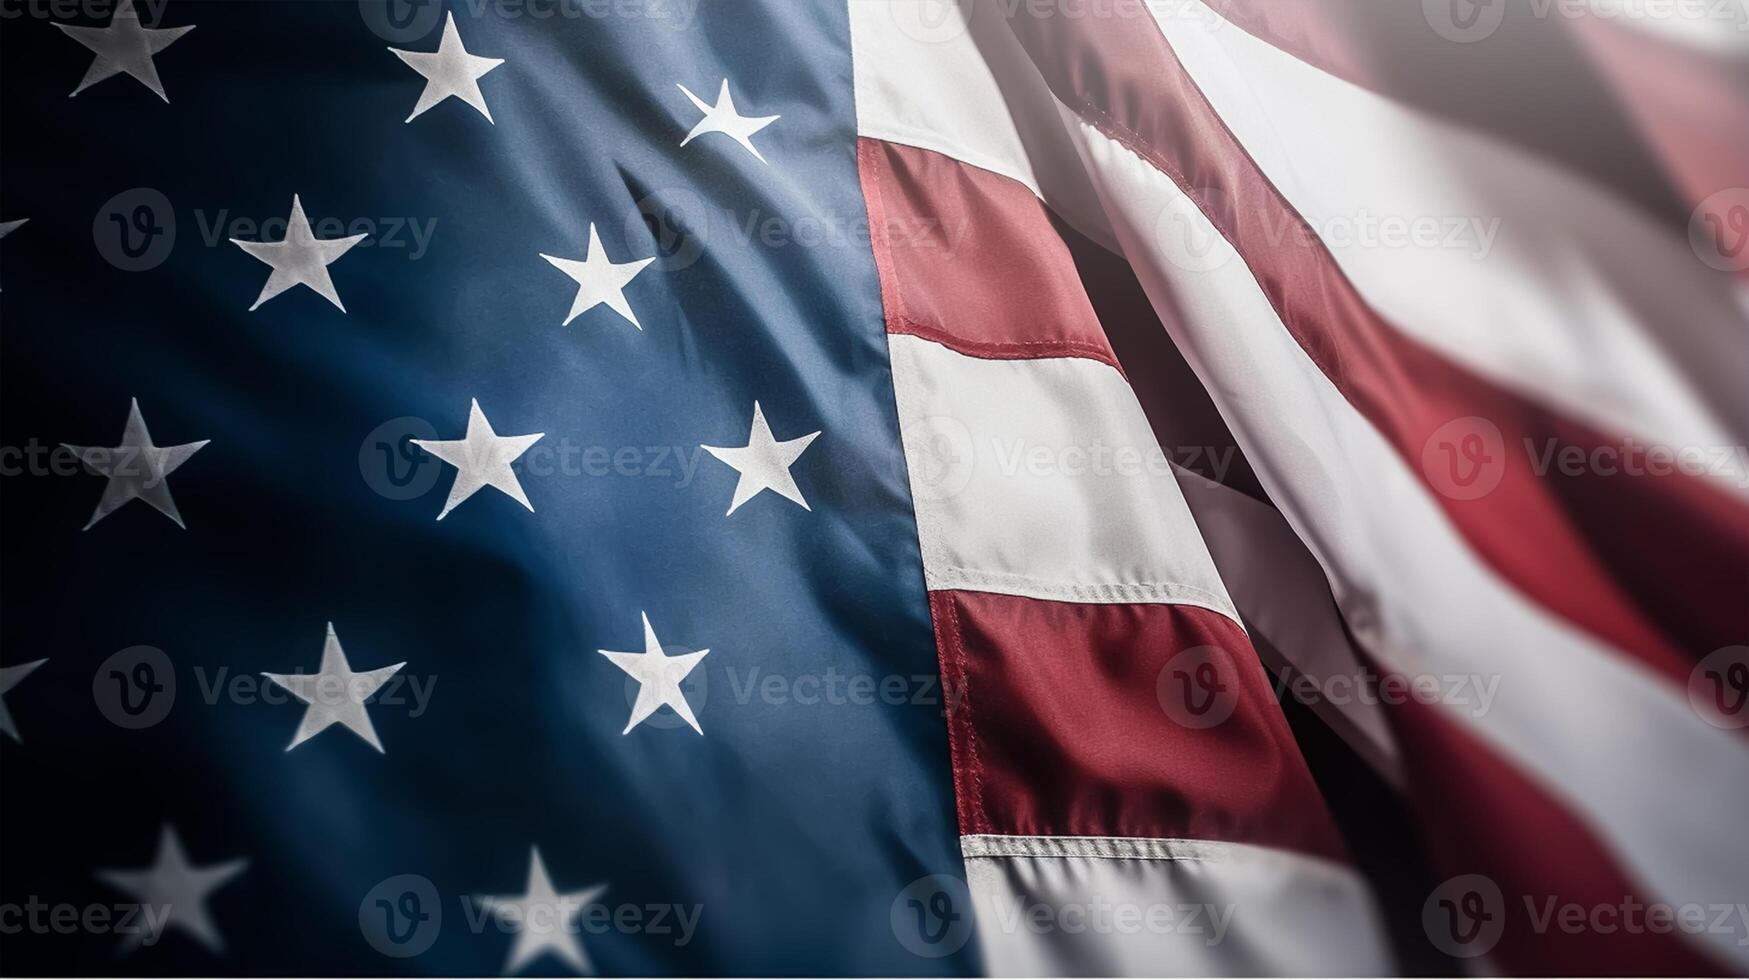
(1122, 906)
(1042, 478)
(1579, 301)
(1667, 792)
(930, 76)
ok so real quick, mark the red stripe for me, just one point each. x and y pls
(970, 260)
(1578, 544)
(1092, 719)
(1482, 816)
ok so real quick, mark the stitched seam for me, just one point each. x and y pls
(990, 349)
(1000, 846)
(957, 749)
(975, 766)
(1071, 344)
(886, 276)
(1079, 592)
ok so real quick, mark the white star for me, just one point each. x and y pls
(136, 468)
(124, 46)
(764, 462)
(724, 118)
(9, 678)
(658, 676)
(482, 458)
(542, 918)
(335, 693)
(450, 70)
(175, 891)
(600, 280)
(299, 257)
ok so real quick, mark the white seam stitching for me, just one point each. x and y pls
(1141, 849)
(944, 576)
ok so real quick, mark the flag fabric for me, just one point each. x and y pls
(880, 487)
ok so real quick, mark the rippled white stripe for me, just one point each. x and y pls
(1042, 478)
(1125, 906)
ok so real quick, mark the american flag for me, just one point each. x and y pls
(874, 487)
